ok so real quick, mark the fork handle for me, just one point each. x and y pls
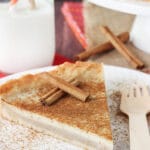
(139, 132)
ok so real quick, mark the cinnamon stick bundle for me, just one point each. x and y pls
(124, 37)
(57, 94)
(52, 91)
(122, 49)
(68, 88)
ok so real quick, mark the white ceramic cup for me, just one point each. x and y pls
(26, 36)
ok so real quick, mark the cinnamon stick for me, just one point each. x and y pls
(43, 98)
(68, 88)
(52, 91)
(124, 37)
(122, 49)
(58, 94)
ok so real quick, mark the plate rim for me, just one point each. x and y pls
(49, 68)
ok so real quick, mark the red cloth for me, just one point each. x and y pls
(2, 75)
(59, 59)
(73, 14)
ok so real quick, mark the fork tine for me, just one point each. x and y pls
(137, 90)
(123, 99)
(145, 90)
(131, 92)
(124, 94)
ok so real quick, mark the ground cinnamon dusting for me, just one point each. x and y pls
(90, 116)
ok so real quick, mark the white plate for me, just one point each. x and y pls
(138, 7)
(13, 136)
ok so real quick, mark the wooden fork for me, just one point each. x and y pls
(136, 104)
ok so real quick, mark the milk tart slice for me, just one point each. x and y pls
(86, 124)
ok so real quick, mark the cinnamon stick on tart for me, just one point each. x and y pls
(124, 37)
(122, 49)
(51, 92)
(68, 88)
(54, 96)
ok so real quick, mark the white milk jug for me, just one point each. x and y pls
(26, 35)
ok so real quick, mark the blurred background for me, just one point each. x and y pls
(77, 29)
